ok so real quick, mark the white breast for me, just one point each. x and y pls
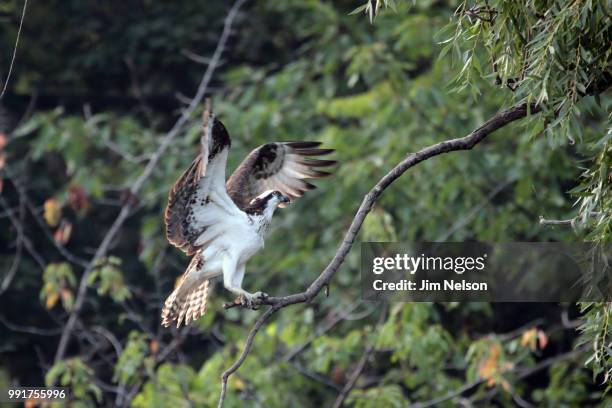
(235, 237)
(244, 240)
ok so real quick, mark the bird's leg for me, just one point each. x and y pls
(232, 280)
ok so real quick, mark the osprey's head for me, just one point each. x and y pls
(267, 202)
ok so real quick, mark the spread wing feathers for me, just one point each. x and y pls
(188, 301)
(282, 166)
(198, 198)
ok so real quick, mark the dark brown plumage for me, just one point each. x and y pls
(181, 228)
(280, 166)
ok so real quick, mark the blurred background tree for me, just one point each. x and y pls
(95, 89)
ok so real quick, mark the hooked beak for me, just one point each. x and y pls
(284, 201)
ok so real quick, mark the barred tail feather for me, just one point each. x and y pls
(185, 305)
(188, 300)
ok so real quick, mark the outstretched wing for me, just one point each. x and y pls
(199, 199)
(281, 166)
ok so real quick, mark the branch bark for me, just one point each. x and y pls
(137, 185)
(496, 122)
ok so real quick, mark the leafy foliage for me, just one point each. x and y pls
(59, 281)
(77, 376)
(110, 279)
(133, 359)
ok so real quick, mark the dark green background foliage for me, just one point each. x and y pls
(97, 84)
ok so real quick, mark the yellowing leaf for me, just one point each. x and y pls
(58, 278)
(529, 338)
(489, 368)
(53, 212)
(52, 299)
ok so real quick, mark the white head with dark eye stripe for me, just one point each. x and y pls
(265, 203)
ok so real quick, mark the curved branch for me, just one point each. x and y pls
(496, 122)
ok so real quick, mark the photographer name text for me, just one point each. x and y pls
(429, 286)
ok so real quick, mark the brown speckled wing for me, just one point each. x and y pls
(281, 166)
(185, 214)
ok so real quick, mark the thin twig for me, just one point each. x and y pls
(8, 278)
(321, 330)
(245, 351)
(570, 221)
(114, 342)
(160, 357)
(10, 71)
(195, 57)
(26, 241)
(328, 382)
(350, 384)
(498, 121)
(474, 212)
(544, 221)
(43, 226)
(137, 185)
(108, 143)
(29, 329)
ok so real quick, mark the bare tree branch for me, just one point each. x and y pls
(148, 170)
(544, 221)
(496, 122)
(571, 221)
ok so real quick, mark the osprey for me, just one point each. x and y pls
(222, 224)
